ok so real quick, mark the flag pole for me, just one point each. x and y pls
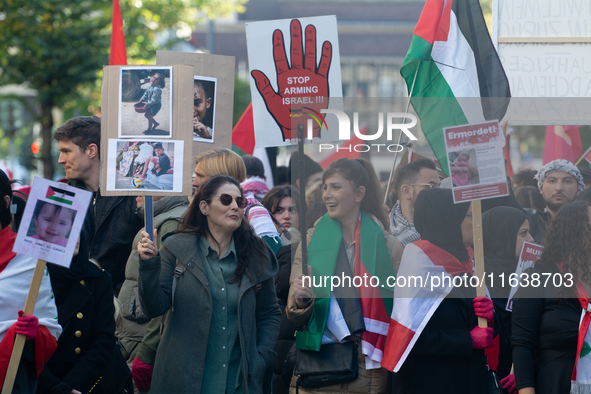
(580, 159)
(400, 136)
(302, 210)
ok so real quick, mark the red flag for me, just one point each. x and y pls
(243, 133)
(562, 142)
(117, 54)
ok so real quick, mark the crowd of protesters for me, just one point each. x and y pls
(220, 298)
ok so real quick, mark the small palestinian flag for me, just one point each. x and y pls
(60, 195)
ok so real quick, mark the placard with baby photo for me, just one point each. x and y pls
(476, 161)
(204, 100)
(52, 221)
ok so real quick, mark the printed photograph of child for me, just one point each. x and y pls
(204, 90)
(145, 165)
(145, 101)
(464, 168)
(51, 223)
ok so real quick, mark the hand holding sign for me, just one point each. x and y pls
(299, 86)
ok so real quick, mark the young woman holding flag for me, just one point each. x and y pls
(434, 342)
(551, 336)
(348, 241)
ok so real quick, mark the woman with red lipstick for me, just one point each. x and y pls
(216, 277)
(351, 240)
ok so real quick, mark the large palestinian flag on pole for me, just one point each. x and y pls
(452, 56)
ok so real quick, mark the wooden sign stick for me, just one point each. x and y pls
(19, 342)
(478, 252)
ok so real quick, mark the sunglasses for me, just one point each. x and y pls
(226, 200)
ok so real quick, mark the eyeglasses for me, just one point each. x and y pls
(431, 185)
(227, 199)
(280, 210)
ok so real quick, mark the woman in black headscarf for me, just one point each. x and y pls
(504, 229)
(448, 355)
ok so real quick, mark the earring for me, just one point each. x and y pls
(205, 213)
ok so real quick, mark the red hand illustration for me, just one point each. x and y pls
(300, 86)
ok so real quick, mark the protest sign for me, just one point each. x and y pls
(530, 253)
(544, 46)
(49, 231)
(476, 161)
(128, 123)
(52, 221)
(288, 88)
(212, 95)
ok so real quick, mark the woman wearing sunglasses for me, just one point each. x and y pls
(216, 277)
(225, 162)
(350, 241)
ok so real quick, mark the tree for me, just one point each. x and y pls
(59, 47)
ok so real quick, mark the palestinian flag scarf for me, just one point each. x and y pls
(372, 259)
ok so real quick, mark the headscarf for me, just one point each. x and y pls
(559, 165)
(500, 226)
(438, 221)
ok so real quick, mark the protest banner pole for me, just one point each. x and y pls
(400, 136)
(478, 252)
(301, 176)
(149, 216)
(19, 342)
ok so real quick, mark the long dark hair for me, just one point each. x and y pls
(249, 247)
(274, 196)
(568, 241)
(361, 173)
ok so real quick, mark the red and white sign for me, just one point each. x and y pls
(295, 68)
(476, 161)
(530, 253)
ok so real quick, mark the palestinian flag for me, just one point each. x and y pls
(60, 195)
(372, 259)
(454, 59)
(415, 301)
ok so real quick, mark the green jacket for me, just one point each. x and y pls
(184, 339)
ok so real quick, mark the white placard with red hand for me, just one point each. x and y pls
(295, 67)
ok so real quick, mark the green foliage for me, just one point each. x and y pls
(241, 97)
(59, 47)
